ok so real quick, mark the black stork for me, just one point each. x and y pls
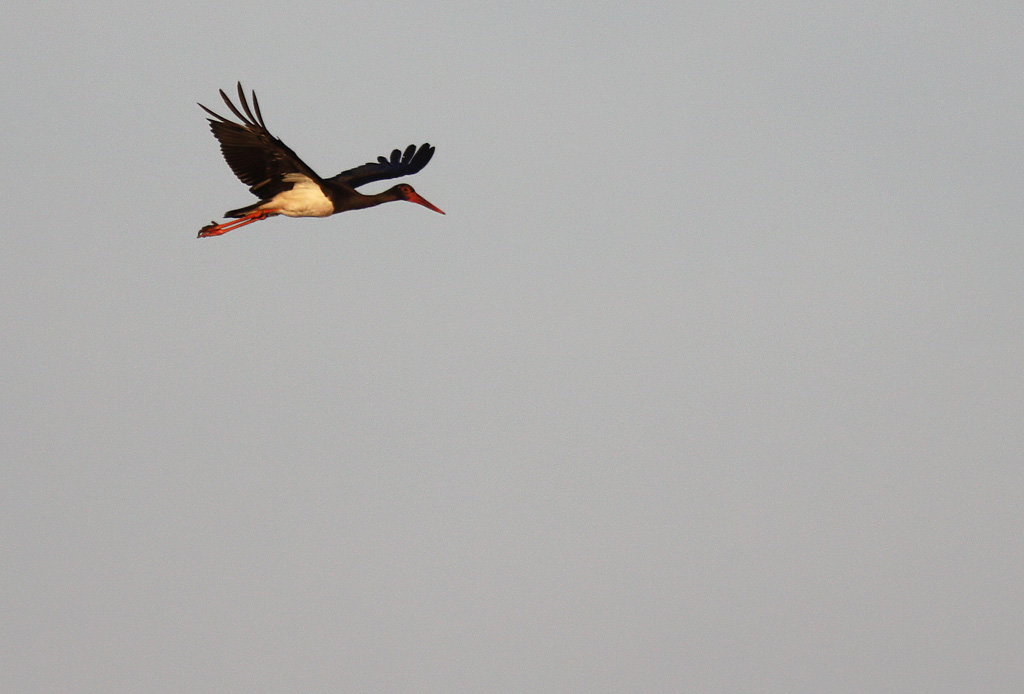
(285, 185)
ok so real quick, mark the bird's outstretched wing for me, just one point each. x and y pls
(400, 164)
(260, 160)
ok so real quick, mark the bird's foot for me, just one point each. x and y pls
(215, 229)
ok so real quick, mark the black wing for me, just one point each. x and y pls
(260, 160)
(401, 164)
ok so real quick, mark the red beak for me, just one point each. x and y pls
(420, 200)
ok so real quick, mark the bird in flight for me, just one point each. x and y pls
(285, 185)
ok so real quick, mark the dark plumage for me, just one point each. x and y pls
(284, 183)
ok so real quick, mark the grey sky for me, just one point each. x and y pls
(709, 380)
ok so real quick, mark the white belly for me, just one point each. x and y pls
(305, 199)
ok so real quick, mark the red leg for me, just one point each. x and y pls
(214, 229)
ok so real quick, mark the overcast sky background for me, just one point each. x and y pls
(709, 380)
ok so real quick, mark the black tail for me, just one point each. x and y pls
(242, 211)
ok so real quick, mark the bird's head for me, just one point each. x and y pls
(404, 191)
